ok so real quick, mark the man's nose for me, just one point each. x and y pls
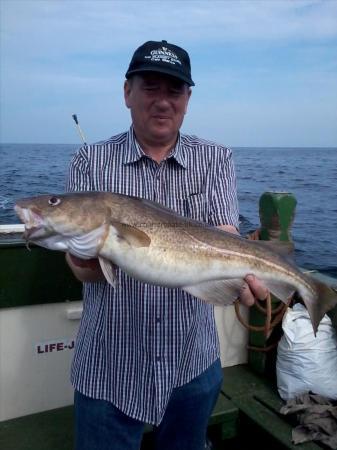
(163, 100)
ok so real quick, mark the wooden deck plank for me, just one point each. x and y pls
(241, 380)
(257, 398)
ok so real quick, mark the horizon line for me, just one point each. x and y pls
(228, 146)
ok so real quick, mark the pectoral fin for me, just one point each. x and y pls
(218, 292)
(109, 270)
(131, 235)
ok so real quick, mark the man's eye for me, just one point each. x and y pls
(176, 91)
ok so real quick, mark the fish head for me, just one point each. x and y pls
(64, 215)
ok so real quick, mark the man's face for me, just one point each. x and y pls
(157, 103)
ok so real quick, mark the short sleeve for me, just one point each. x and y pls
(79, 174)
(224, 204)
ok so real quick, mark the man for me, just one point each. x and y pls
(146, 354)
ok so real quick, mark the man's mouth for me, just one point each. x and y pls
(158, 117)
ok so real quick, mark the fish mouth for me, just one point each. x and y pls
(34, 223)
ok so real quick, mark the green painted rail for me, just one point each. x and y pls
(38, 276)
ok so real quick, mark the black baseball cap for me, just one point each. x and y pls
(162, 57)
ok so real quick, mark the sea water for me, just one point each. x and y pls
(310, 174)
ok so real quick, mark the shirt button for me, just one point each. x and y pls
(158, 358)
(158, 320)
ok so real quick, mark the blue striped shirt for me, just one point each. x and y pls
(137, 342)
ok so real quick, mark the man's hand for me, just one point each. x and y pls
(253, 288)
(85, 270)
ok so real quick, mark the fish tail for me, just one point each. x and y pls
(326, 300)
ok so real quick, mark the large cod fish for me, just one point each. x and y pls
(155, 245)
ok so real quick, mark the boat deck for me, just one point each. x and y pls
(247, 411)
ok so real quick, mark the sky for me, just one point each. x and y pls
(265, 71)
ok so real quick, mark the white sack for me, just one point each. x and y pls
(305, 362)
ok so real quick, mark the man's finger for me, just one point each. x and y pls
(246, 296)
(257, 288)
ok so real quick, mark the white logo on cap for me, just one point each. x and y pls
(163, 54)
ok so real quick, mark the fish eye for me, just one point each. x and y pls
(54, 201)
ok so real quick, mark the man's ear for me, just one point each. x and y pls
(127, 91)
(189, 96)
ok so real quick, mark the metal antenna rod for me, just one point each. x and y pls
(74, 116)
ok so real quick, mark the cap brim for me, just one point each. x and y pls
(165, 71)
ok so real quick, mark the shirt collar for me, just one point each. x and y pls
(134, 153)
(178, 153)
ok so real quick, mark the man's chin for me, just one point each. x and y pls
(163, 132)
